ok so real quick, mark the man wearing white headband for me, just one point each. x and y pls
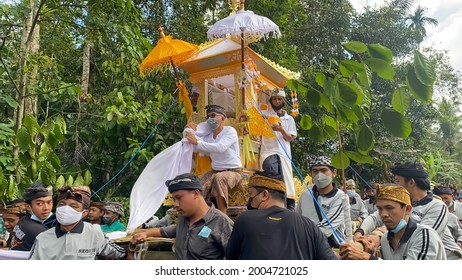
(279, 147)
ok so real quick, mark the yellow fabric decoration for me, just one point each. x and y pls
(258, 126)
(184, 97)
(203, 164)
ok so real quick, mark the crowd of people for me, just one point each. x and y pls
(408, 219)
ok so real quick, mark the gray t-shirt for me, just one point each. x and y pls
(206, 239)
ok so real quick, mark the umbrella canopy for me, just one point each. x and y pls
(250, 28)
(254, 27)
(167, 51)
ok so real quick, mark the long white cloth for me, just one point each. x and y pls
(149, 190)
(14, 255)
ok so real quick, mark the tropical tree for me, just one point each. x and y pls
(418, 22)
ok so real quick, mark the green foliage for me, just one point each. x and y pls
(396, 123)
(401, 100)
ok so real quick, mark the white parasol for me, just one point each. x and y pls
(246, 24)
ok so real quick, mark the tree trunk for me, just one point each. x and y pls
(29, 44)
(86, 70)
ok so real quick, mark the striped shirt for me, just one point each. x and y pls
(332, 205)
(429, 212)
(419, 242)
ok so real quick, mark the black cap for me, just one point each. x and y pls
(37, 190)
(216, 109)
(185, 181)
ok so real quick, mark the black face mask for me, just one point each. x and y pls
(279, 107)
(249, 203)
(108, 221)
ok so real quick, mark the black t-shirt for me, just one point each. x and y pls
(276, 233)
(25, 232)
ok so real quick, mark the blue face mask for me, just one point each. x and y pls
(351, 193)
(212, 123)
(402, 224)
(35, 218)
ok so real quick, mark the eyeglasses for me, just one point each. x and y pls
(212, 115)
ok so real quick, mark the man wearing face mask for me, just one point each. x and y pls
(426, 209)
(334, 202)
(270, 231)
(405, 240)
(358, 211)
(111, 218)
(71, 238)
(222, 145)
(39, 201)
(285, 132)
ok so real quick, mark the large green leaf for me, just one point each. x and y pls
(79, 180)
(43, 153)
(396, 123)
(24, 139)
(325, 102)
(355, 46)
(60, 182)
(418, 90)
(401, 100)
(337, 161)
(87, 178)
(424, 69)
(55, 162)
(61, 124)
(298, 86)
(320, 78)
(313, 97)
(31, 124)
(365, 139)
(382, 68)
(365, 77)
(359, 158)
(306, 122)
(346, 114)
(70, 181)
(330, 121)
(329, 87)
(10, 101)
(347, 93)
(316, 134)
(52, 140)
(348, 68)
(380, 52)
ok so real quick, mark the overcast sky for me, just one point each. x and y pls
(447, 35)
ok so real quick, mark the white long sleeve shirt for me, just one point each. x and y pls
(223, 150)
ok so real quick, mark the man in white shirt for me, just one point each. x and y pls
(222, 145)
(285, 132)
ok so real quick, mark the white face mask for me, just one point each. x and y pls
(66, 215)
(321, 180)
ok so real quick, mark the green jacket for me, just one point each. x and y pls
(116, 226)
